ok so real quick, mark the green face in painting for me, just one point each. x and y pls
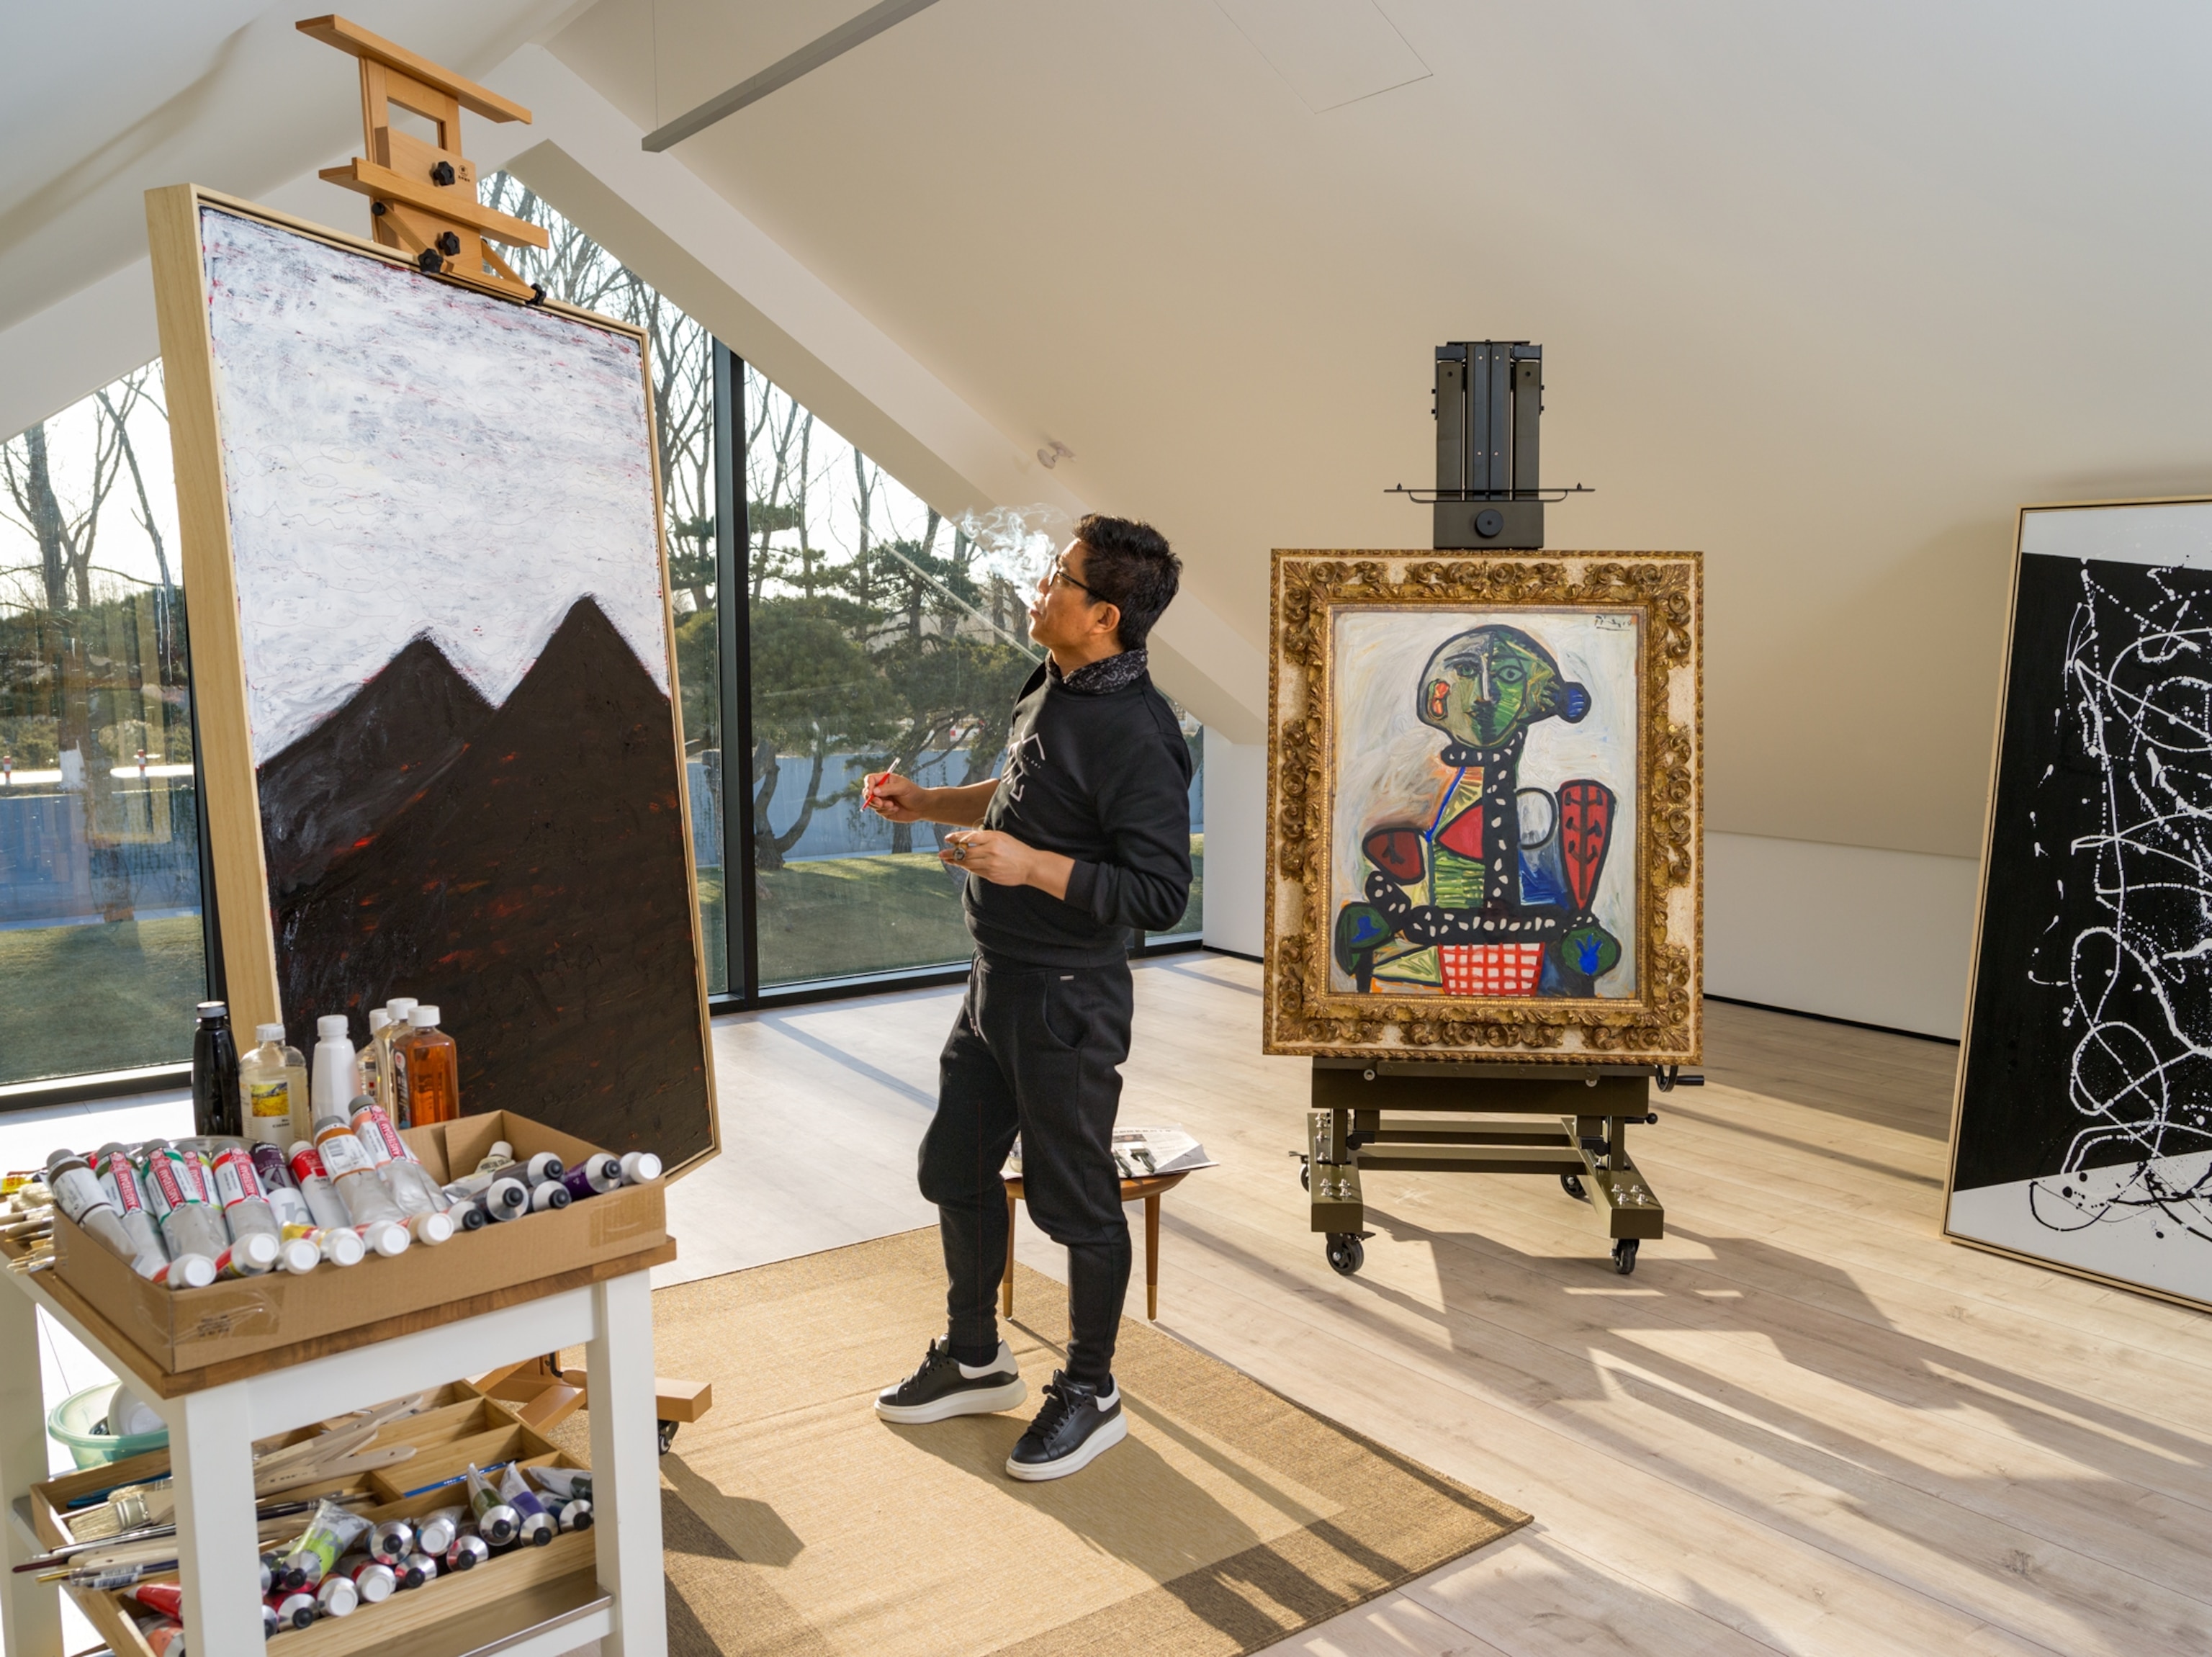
(1487, 685)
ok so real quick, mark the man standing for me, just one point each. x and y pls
(1085, 834)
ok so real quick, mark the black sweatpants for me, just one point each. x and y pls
(1034, 1050)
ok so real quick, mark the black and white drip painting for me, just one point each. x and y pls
(2085, 1125)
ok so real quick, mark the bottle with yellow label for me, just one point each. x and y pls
(265, 1089)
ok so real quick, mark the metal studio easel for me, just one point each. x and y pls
(1570, 1121)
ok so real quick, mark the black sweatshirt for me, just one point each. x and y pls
(1104, 779)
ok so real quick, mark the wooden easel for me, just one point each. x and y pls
(422, 197)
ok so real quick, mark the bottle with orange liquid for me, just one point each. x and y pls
(431, 1064)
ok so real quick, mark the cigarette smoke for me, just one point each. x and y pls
(1016, 542)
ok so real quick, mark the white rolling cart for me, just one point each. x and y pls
(212, 1427)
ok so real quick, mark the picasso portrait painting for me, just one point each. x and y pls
(1483, 814)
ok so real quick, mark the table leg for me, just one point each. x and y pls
(1152, 1257)
(625, 1466)
(30, 1610)
(1006, 1283)
(211, 1456)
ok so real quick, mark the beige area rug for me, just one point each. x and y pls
(797, 1523)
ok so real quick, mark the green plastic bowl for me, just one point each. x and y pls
(70, 1423)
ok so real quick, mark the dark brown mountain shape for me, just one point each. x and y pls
(535, 891)
(326, 794)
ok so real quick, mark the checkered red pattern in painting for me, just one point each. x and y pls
(1491, 969)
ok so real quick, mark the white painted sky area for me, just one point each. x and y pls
(2093, 1232)
(1387, 765)
(2176, 532)
(404, 459)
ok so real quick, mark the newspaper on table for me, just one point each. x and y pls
(1140, 1153)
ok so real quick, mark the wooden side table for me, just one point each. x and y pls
(1152, 1189)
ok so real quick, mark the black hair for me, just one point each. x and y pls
(1129, 565)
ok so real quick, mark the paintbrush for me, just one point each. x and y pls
(272, 1518)
(155, 1503)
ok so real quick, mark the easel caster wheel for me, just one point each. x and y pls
(1624, 1255)
(1572, 1185)
(1347, 1254)
(667, 1434)
(1305, 1176)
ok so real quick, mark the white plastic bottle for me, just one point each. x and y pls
(337, 1072)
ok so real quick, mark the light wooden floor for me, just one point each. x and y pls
(1806, 1424)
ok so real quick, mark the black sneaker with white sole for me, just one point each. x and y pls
(945, 1388)
(1079, 1424)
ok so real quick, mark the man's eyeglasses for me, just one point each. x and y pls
(1059, 573)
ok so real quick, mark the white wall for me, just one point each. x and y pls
(1236, 841)
(1883, 937)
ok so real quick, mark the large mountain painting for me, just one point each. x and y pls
(452, 639)
(420, 841)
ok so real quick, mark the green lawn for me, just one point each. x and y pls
(74, 999)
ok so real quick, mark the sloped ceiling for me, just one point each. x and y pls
(1826, 292)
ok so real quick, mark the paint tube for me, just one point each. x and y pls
(567, 1482)
(406, 1574)
(551, 1194)
(174, 1190)
(368, 1199)
(503, 1195)
(118, 1177)
(163, 1599)
(411, 1182)
(270, 1622)
(340, 1245)
(325, 1206)
(297, 1256)
(501, 1155)
(294, 1607)
(185, 1271)
(238, 1188)
(338, 1597)
(391, 1539)
(595, 1176)
(423, 1564)
(640, 1167)
(542, 1166)
(77, 1193)
(533, 1524)
(496, 1522)
(331, 1532)
(571, 1515)
(164, 1637)
(279, 1187)
(469, 1214)
(469, 1550)
(371, 1581)
(435, 1534)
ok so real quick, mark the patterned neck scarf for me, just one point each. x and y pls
(1109, 673)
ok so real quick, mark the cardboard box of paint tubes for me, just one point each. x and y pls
(188, 1329)
(464, 1595)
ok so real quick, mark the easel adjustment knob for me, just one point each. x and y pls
(450, 244)
(443, 173)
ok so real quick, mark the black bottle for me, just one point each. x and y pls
(215, 1108)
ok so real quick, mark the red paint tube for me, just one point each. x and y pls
(166, 1598)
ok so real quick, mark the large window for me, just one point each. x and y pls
(819, 606)
(100, 955)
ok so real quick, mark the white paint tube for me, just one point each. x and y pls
(185, 1271)
(551, 1194)
(567, 1482)
(280, 1187)
(534, 1526)
(297, 1256)
(436, 1534)
(238, 1188)
(640, 1167)
(340, 1245)
(325, 1206)
(368, 1199)
(503, 1196)
(407, 1181)
(190, 1223)
(118, 1177)
(542, 1166)
(338, 1597)
(77, 1193)
(251, 1255)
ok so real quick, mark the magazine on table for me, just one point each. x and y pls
(1141, 1153)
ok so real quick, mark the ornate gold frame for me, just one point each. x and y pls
(1664, 1023)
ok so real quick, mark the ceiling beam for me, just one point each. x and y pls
(782, 72)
